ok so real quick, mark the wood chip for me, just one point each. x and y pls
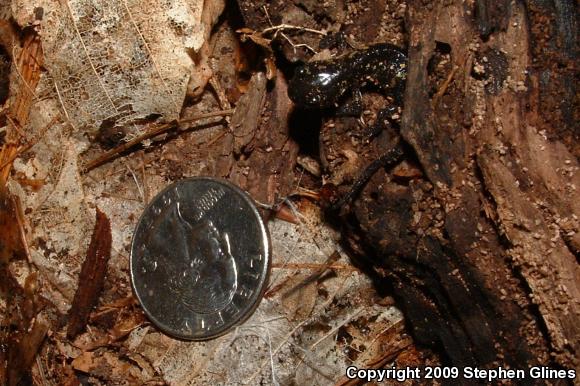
(92, 276)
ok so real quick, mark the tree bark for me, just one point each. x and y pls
(483, 255)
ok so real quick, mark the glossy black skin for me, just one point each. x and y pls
(324, 84)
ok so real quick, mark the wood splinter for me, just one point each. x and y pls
(92, 276)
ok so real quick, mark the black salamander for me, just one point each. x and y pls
(325, 84)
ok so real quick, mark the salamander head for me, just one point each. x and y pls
(318, 85)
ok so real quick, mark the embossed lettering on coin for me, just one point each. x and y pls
(200, 258)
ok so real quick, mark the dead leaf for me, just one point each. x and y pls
(299, 300)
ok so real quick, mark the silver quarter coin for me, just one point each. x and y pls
(200, 258)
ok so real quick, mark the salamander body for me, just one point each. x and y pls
(324, 84)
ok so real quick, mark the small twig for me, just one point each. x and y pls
(282, 27)
(144, 178)
(267, 16)
(119, 197)
(220, 93)
(21, 230)
(155, 131)
(313, 266)
(389, 327)
(338, 326)
(295, 46)
(141, 194)
(314, 276)
(444, 86)
(216, 138)
(16, 126)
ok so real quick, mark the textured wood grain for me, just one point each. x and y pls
(92, 276)
(481, 258)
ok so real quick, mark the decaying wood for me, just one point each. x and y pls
(27, 62)
(531, 195)
(92, 276)
(11, 245)
(478, 258)
(23, 349)
(397, 347)
(25, 331)
(243, 124)
(21, 339)
(268, 173)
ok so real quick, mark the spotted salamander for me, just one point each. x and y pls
(325, 83)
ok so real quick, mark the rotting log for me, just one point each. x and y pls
(482, 252)
(482, 255)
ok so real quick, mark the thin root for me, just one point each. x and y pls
(153, 132)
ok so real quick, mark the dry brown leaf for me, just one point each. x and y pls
(299, 298)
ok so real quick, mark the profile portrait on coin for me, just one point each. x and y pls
(208, 279)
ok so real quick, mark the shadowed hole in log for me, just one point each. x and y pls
(439, 65)
(305, 130)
